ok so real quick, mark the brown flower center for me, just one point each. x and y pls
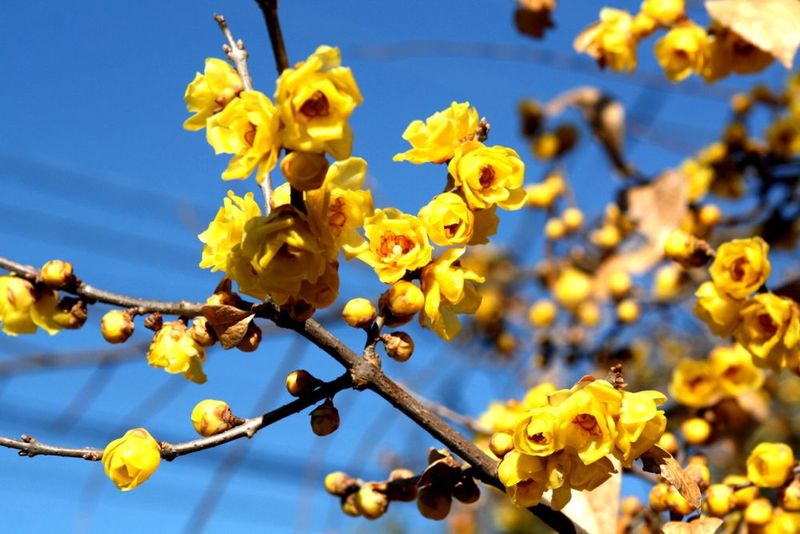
(539, 438)
(336, 217)
(487, 177)
(394, 245)
(450, 230)
(738, 270)
(250, 135)
(588, 423)
(767, 325)
(316, 106)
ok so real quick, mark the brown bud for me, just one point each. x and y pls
(251, 339)
(154, 322)
(402, 485)
(466, 490)
(399, 345)
(434, 502)
(325, 419)
(77, 314)
(300, 382)
(299, 310)
(349, 505)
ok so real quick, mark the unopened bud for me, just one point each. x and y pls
(744, 491)
(677, 503)
(619, 284)
(399, 345)
(758, 512)
(338, 483)
(628, 311)
(154, 322)
(304, 170)
(658, 497)
(349, 505)
(709, 215)
(699, 473)
(211, 417)
(696, 430)
(542, 313)
(434, 503)
(300, 382)
(371, 500)
(686, 249)
(790, 496)
(589, 313)
(501, 444)
(325, 419)
(607, 236)
(75, 313)
(719, 500)
(57, 274)
(117, 326)
(402, 485)
(545, 146)
(466, 490)
(554, 229)
(251, 339)
(631, 506)
(404, 298)
(573, 219)
(202, 332)
(668, 442)
(359, 313)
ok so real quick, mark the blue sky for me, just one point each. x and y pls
(95, 168)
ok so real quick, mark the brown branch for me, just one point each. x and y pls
(270, 10)
(236, 53)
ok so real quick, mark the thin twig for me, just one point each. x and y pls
(270, 10)
(236, 53)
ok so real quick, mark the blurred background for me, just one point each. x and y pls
(96, 169)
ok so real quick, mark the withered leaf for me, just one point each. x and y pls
(771, 25)
(701, 525)
(657, 460)
(229, 323)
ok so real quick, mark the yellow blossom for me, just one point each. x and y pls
(665, 12)
(304, 171)
(16, 303)
(339, 207)
(770, 464)
(226, 230)
(210, 92)
(611, 41)
(131, 459)
(694, 384)
(396, 243)
(536, 397)
(770, 330)
(524, 477)
(175, 350)
(720, 313)
(211, 417)
(436, 139)
(740, 267)
(587, 424)
(248, 129)
(641, 424)
(699, 177)
(315, 100)
(277, 254)
(682, 51)
(572, 287)
(734, 368)
(537, 433)
(448, 220)
(488, 176)
(449, 290)
(486, 222)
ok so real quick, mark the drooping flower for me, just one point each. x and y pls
(210, 92)
(770, 464)
(611, 41)
(16, 302)
(226, 230)
(436, 139)
(694, 384)
(682, 51)
(175, 350)
(735, 370)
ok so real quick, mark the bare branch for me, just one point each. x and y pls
(236, 52)
(270, 10)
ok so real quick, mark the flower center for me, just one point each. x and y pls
(316, 106)
(250, 135)
(588, 423)
(539, 438)
(393, 245)
(450, 230)
(487, 177)
(336, 217)
(738, 270)
(767, 325)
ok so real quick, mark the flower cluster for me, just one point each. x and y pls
(685, 49)
(563, 440)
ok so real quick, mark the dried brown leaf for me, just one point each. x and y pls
(657, 460)
(771, 25)
(701, 525)
(229, 323)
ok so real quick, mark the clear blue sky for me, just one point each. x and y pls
(95, 168)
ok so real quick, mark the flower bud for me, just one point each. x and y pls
(572, 287)
(466, 490)
(131, 459)
(57, 274)
(371, 500)
(202, 332)
(325, 419)
(251, 339)
(359, 313)
(658, 497)
(554, 229)
(300, 382)
(790, 496)
(619, 284)
(745, 494)
(117, 326)
(349, 505)
(698, 472)
(573, 219)
(719, 500)
(607, 236)
(404, 298)
(668, 282)
(668, 442)
(628, 311)
(434, 503)
(631, 506)
(154, 322)
(544, 194)
(686, 249)
(304, 170)
(545, 146)
(589, 313)
(399, 345)
(696, 430)
(677, 503)
(74, 313)
(709, 215)
(542, 313)
(501, 444)
(338, 482)
(211, 417)
(770, 464)
(403, 485)
(758, 512)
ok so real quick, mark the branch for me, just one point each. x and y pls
(236, 53)
(270, 10)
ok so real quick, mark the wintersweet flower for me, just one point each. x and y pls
(131, 459)
(396, 243)
(315, 100)
(740, 267)
(694, 384)
(485, 226)
(524, 477)
(537, 433)
(665, 12)
(717, 310)
(210, 92)
(16, 302)
(735, 370)
(640, 425)
(248, 129)
(436, 139)
(175, 350)
(770, 330)
(587, 425)
(682, 51)
(611, 41)
(226, 230)
(488, 176)
(770, 464)
(449, 290)
(448, 220)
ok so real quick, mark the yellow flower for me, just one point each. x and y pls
(770, 464)
(699, 177)
(720, 313)
(248, 129)
(131, 459)
(315, 100)
(211, 417)
(449, 290)
(175, 350)
(338, 208)
(486, 222)
(50, 314)
(770, 330)
(641, 424)
(304, 170)
(735, 370)
(536, 397)
(537, 433)
(16, 303)
(665, 12)
(740, 267)
(682, 51)
(524, 476)
(448, 220)
(226, 230)
(436, 139)
(210, 92)
(572, 287)
(587, 424)
(589, 477)
(694, 384)
(488, 176)
(396, 243)
(611, 41)
(319, 294)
